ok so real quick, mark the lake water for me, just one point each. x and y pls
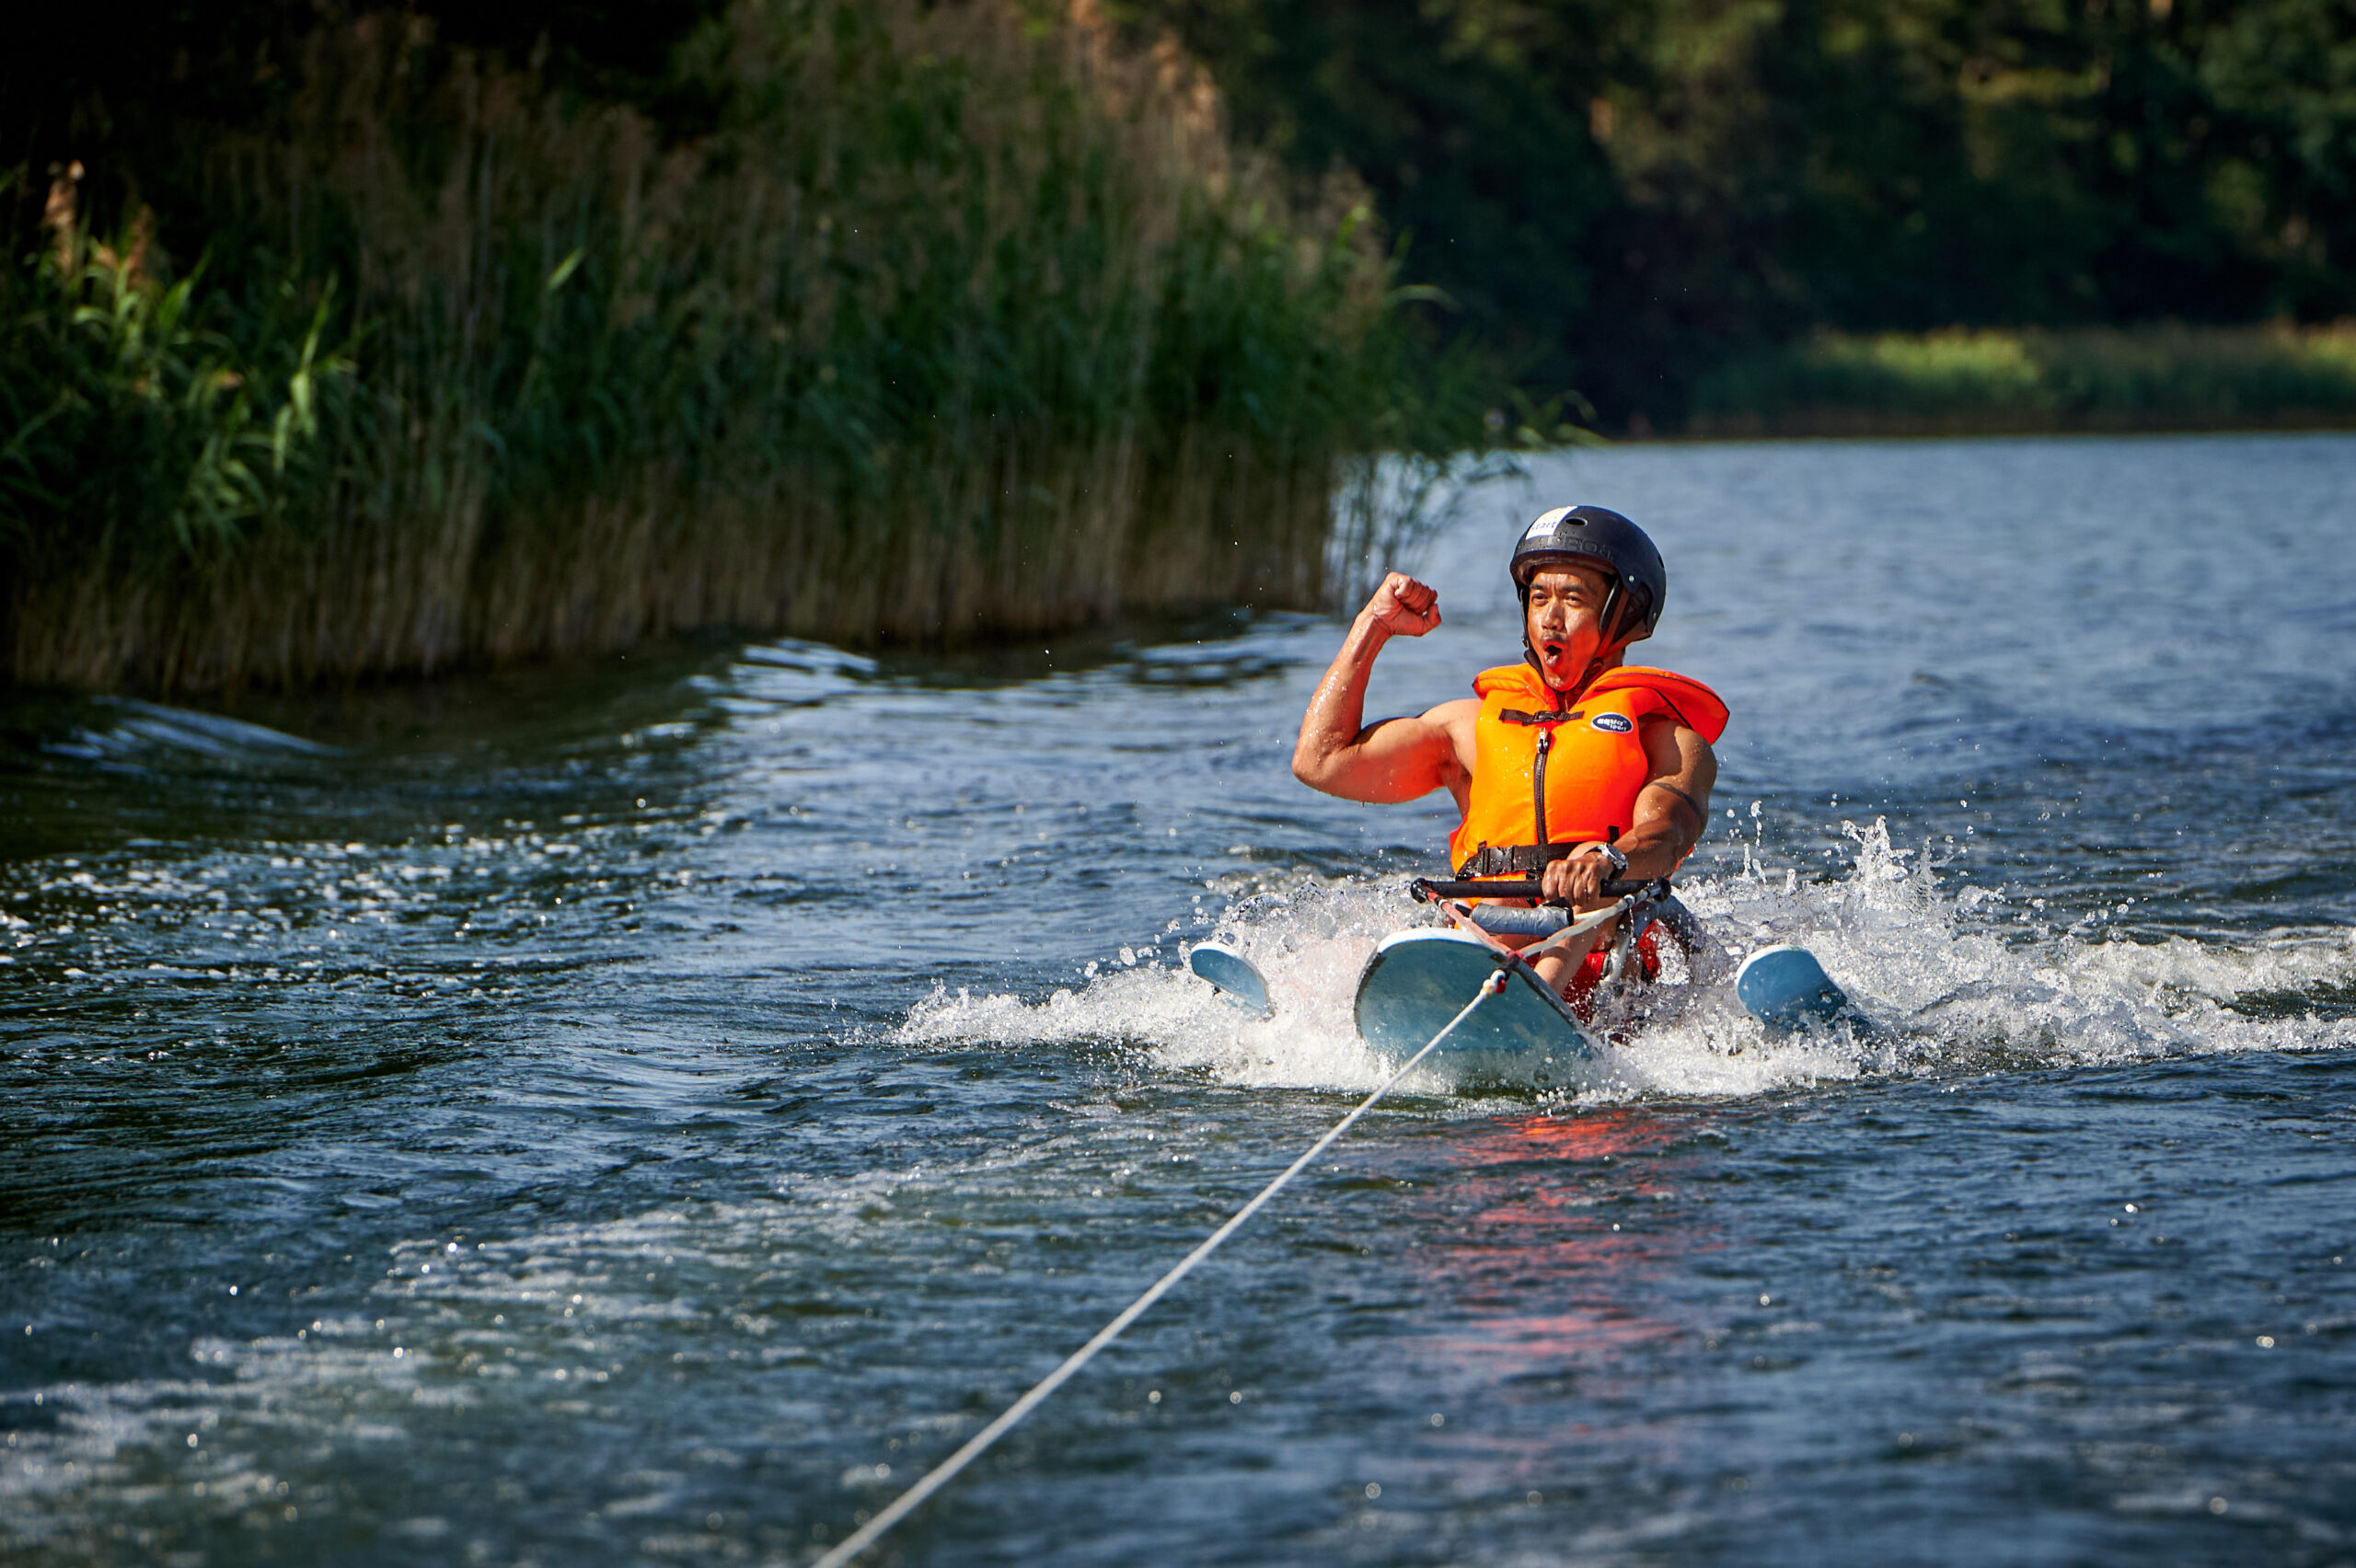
(649, 1113)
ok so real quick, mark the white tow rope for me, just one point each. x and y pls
(943, 1474)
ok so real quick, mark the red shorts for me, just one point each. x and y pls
(1579, 989)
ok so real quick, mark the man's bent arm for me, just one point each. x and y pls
(1395, 759)
(1672, 811)
(1673, 808)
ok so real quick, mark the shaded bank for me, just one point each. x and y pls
(955, 326)
(1993, 381)
(1621, 196)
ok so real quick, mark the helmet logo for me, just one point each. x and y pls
(1613, 723)
(1545, 523)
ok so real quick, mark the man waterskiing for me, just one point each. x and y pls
(1571, 767)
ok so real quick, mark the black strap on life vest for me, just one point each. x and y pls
(1520, 860)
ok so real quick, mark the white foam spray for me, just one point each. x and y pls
(1960, 981)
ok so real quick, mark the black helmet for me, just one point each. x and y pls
(1597, 535)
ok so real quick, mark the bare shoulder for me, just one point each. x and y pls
(1455, 715)
(1459, 719)
(1678, 752)
(1459, 722)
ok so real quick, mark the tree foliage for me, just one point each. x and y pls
(1620, 194)
(1614, 196)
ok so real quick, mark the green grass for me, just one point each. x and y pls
(2158, 377)
(962, 324)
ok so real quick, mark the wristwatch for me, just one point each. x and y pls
(1619, 861)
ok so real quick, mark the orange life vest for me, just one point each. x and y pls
(1550, 771)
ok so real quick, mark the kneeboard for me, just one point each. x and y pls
(1785, 987)
(1419, 979)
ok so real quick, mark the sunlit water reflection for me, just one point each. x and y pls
(649, 1113)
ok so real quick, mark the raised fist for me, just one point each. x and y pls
(1404, 607)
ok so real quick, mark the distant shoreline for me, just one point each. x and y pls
(2157, 379)
(1867, 424)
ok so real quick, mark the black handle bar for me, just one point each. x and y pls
(1426, 889)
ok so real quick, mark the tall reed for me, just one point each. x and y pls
(959, 325)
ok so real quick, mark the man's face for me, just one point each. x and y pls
(1565, 620)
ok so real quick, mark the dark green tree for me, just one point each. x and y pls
(1618, 197)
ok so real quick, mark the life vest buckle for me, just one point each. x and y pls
(1513, 859)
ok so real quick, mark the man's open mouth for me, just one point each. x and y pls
(1553, 651)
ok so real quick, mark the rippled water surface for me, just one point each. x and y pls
(649, 1113)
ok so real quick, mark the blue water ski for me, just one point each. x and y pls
(1235, 976)
(1785, 987)
(1417, 980)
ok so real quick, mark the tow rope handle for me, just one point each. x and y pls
(1433, 890)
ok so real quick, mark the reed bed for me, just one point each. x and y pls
(964, 323)
(1972, 382)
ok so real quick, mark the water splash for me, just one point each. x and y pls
(1957, 980)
